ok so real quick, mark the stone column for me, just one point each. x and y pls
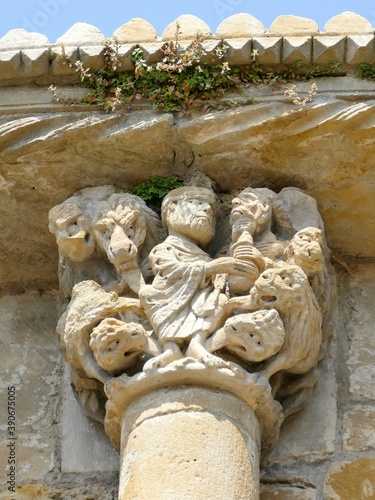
(186, 431)
(189, 443)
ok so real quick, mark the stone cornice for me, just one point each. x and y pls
(27, 58)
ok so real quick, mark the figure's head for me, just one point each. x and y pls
(251, 212)
(69, 223)
(116, 344)
(190, 211)
(306, 250)
(281, 288)
(255, 336)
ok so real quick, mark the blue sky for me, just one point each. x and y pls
(54, 17)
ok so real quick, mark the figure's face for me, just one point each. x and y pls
(255, 336)
(193, 218)
(116, 344)
(73, 235)
(249, 214)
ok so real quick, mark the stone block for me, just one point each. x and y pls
(189, 27)
(22, 39)
(35, 62)
(82, 34)
(238, 52)
(348, 23)
(60, 65)
(210, 47)
(10, 64)
(297, 49)
(136, 31)
(327, 49)
(125, 57)
(283, 492)
(92, 57)
(351, 480)
(85, 446)
(269, 49)
(361, 353)
(240, 26)
(360, 48)
(311, 433)
(359, 429)
(152, 52)
(293, 26)
(30, 362)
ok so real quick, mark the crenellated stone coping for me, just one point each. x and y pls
(348, 39)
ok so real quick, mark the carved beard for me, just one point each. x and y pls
(198, 227)
(201, 228)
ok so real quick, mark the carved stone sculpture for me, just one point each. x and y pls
(101, 233)
(252, 337)
(149, 311)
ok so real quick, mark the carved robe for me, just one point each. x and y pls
(181, 301)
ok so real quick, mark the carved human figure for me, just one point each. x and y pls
(252, 238)
(252, 336)
(261, 305)
(104, 235)
(183, 304)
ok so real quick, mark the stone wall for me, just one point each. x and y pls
(347, 39)
(50, 150)
(327, 451)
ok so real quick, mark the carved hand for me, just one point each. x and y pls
(229, 265)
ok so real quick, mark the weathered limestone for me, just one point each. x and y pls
(136, 31)
(328, 49)
(293, 26)
(82, 34)
(85, 447)
(35, 62)
(239, 335)
(238, 51)
(10, 64)
(359, 48)
(189, 26)
(60, 67)
(30, 361)
(189, 430)
(348, 23)
(268, 49)
(282, 492)
(92, 57)
(240, 26)
(361, 348)
(152, 52)
(296, 49)
(351, 479)
(359, 429)
(22, 39)
(210, 48)
(50, 150)
(311, 434)
(238, 31)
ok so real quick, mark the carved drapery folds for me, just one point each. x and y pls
(154, 303)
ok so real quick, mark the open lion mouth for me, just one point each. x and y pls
(130, 352)
(268, 298)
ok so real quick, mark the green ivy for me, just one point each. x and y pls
(181, 81)
(366, 71)
(154, 189)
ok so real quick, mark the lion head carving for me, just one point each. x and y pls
(287, 290)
